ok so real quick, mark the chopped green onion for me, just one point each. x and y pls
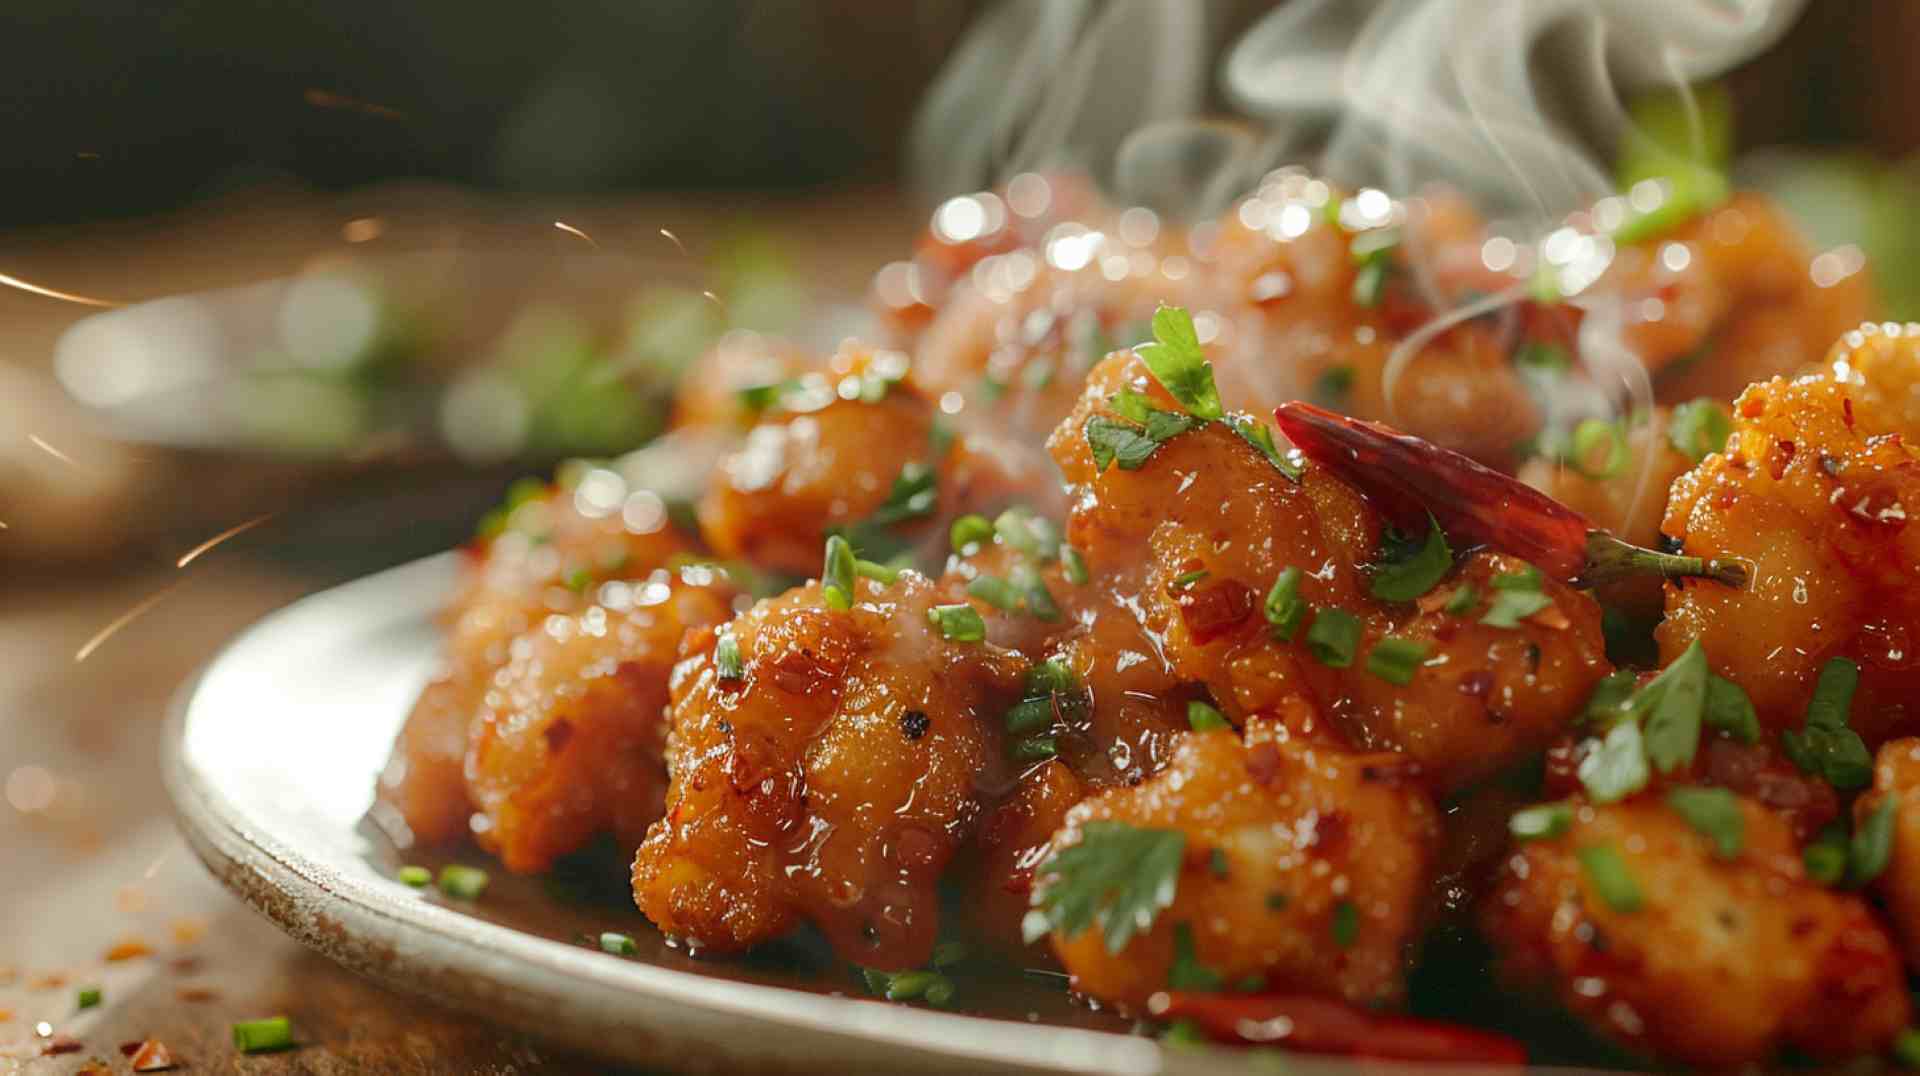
(1462, 600)
(1202, 717)
(415, 876)
(939, 993)
(461, 882)
(1050, 677)
(1611, 880)
(1715, 814)
(1073, 565)
(837, 573)
(1277, 901)
(1872, 844)
(1217, 862)
(1527, 578)
(1370, 284)
(970, 534)
(995, 591)
(1543, 356)
(1826, 855)
(1182, 1034)
(883, 574)
(1331, 387)
(959, 623)
(911, 985)
(727, 662)
(1187, 972)
(1372, 251)
(1346, 924)
(1334, 637)
(1033, 591)
(1588, 436)
(1285, 608)
(578, 580)
(1395, 660)
(1617, 768)
(1404, 575)
(1699, 428)
(1030, 715)
(1177, 362)
(948, 953)
(1541, 822)
(1611, 700)
(757, 398)
(617, 944)
(1833, 693)
(1906, 1048)
(1186, 580)
(260, 1036)
(912, 495)
(1035, 749)
(89, 997)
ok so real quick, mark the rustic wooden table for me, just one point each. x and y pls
(97, 890)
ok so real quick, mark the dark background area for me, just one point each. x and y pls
(125, 107)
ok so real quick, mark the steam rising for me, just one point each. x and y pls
(1499, 98)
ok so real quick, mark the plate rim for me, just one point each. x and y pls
(424, 948)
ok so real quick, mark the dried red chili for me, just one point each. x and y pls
(1408, 477)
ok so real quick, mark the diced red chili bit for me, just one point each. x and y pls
(1780, 458)
(62, 1044)
(1846, 410)
(1263, 762)
(1213, 609)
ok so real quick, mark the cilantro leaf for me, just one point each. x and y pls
(1825, 746)
(1116, 877)
(1729, 710)
(1672, 703)
(1256, 433)
(1178, 363)
(1617, 767)
(1413, 573)
(1113, 441)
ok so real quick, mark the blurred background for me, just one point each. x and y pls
(293, 291)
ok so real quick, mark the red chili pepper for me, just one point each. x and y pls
(1410, 477)
(1320, 1026)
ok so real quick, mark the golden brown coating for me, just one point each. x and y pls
(856, 448)
(832, 781)
(1215, 523)
(1721, 963)
(1306, 868)
(1896, 772)
(552, 547)
(1815, 492)
(1014, 837)
(570, 740)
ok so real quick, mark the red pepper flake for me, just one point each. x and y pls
(152, 1056)
(128, 949)
(1263, 762)
(62, 1044)
(52, 980)
(195, 994)
(1846, 410)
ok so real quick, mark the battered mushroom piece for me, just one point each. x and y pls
(1896, 773)
(1634, 922)
(549, 547)
(1306, 868)
(570, 740)
(1815, 491)
(1216, 523)
(831, 779)
(854, 449)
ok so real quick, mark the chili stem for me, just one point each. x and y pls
(1609, 558)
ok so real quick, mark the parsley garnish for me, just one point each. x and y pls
(1256, 433)
(1729, 710)
(1826, 747)
(1395, 660)
(1715, 813)
(1617, 767)
(1673, 703)
(1404, 572)
(1179, 365)
(1116, 877)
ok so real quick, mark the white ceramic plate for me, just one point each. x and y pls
(270, 759)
